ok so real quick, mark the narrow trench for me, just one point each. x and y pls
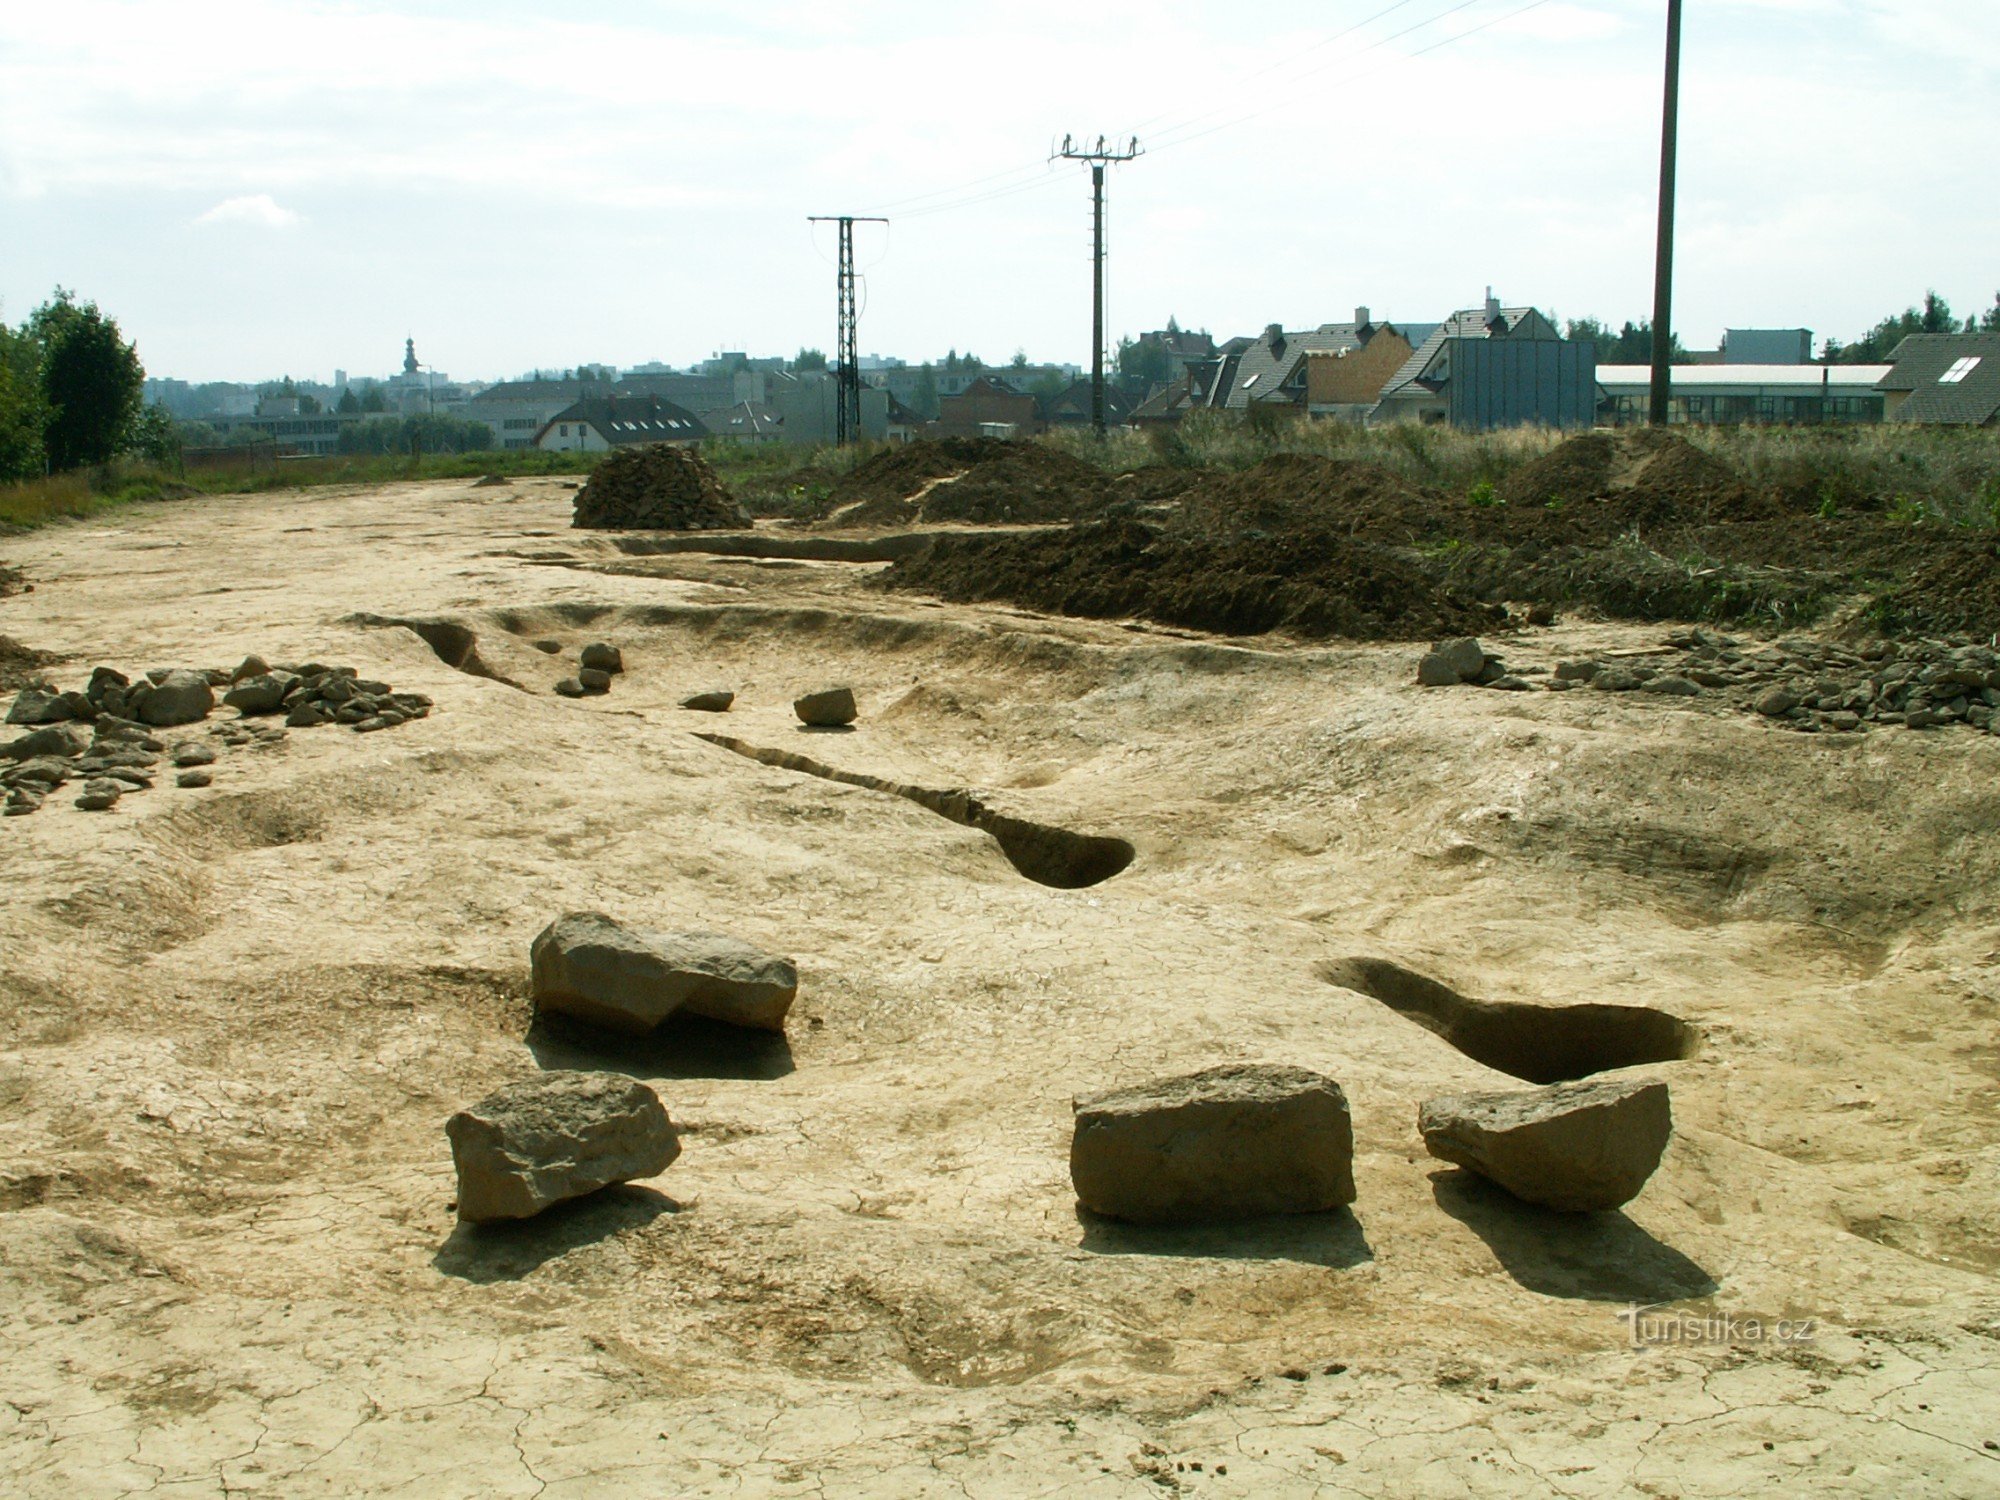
(1536, 1043)
(455, 645)
(1046, 854)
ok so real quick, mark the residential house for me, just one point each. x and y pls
(517, 410)
(598, 424)
(745, 422)
(1346, 383)
(1494, 366)
(1944, 379)
(988, 407)
(1074, 406)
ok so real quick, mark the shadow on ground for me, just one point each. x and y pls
(1332, 1239)
(508, 1251)
(681, 1046)
(1597, 1257)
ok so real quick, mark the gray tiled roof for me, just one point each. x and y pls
(627, 421)
(1469, 324)
(1920, 364)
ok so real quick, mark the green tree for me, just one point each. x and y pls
(372, 400)
(1879, 342)
(155, 437)
(23, 415)
(1144, 361)
(1989, 321)
(308, 406)
(1591, 331)
(924, 397)
(809, 359)
(349, 404)
(91, 380)
(1020, 360)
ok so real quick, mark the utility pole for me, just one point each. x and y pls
(1099, 157)
(847, 347)
(1663, 266)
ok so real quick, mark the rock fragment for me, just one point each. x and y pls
(199, 777)
(596, 969)
(67, 739)
(262, 694)
(40, 705)
(1580, 1147)
(603, 657)
(1230, 1142)
(826, 709)
(179, 697)
(570, 687)
(100, 794)
(594, 679)
(556, 1136)
(709, 703)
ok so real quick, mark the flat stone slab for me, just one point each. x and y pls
(1228, 1143)
(594, 968)
(1580, 1147)
(553, 1137)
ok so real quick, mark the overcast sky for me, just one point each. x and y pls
(290, 187)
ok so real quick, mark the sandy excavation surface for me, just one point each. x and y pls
(233, 1022)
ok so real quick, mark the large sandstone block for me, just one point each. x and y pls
(588, 966)
(1227, 1143)
(1581, 1147)
(556, 1136)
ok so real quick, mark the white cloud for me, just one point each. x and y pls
(260, 210)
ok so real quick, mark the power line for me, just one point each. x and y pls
(1099, 158)
(847, 343)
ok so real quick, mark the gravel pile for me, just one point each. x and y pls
(656, 488)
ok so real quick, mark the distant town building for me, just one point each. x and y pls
(745, 422)
(1944, 379)
(1767, 346)
(601, 423)
(989, 407)
(1745, 394)
(1493, 366)
(517, 410)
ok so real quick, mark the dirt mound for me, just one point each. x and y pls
(19, 664)
(1956, 594)
(656, 488)
(1290, 491)
(1311, 583)
(12, 582)
(970, 479)
(1644, 476)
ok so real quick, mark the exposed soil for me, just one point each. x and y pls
(1309, 583)
(233, 1024)
(658, 487)
(980, 480)
(20, 665)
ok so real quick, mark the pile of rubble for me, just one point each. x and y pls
(599, 663)
(656, 488)
(105, 735)
(1812, 686)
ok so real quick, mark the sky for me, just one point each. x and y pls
(265, 187)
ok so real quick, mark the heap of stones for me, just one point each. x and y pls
(106, 735)
(1811, 686)
(656, 488)
(599, 663)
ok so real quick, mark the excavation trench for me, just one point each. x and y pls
(455, 645)
(1537, 1043)
(1044, 853)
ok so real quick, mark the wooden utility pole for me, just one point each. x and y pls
(1663, 265)
(1098, 158)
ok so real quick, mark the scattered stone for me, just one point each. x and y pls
(602, 658)
(1230, 1142)
(552, 648)
(556, 1136)
(193, 753)
(1541, 614)
(197, 778)
(308, 714)
(251, 666)
(589, 966)
(40, 705)
(490, 481)
(22, 800)
(570, 687)
(1776, 703)
(1580, 1147)
(1511, 684)
(826, 709)
(594, 680)
(264, 693)
(1617, 680)
(100, 795)
(1433, 670)
(375, 722)
(67, 739)
(1672, 686)
(709, 703)
(42, 771)
(179, 697)
(1465, 656)
(1577, 671)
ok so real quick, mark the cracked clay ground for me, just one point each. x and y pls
(233, 1022)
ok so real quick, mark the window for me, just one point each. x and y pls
(565, 429)
(1960, 370)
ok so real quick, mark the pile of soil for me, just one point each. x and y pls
(1641, 477)
(656, 488)
(19, 664)
(1293, 491)
(1956, 593)
(1310, 583)
(12, 582)
(981, 480)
